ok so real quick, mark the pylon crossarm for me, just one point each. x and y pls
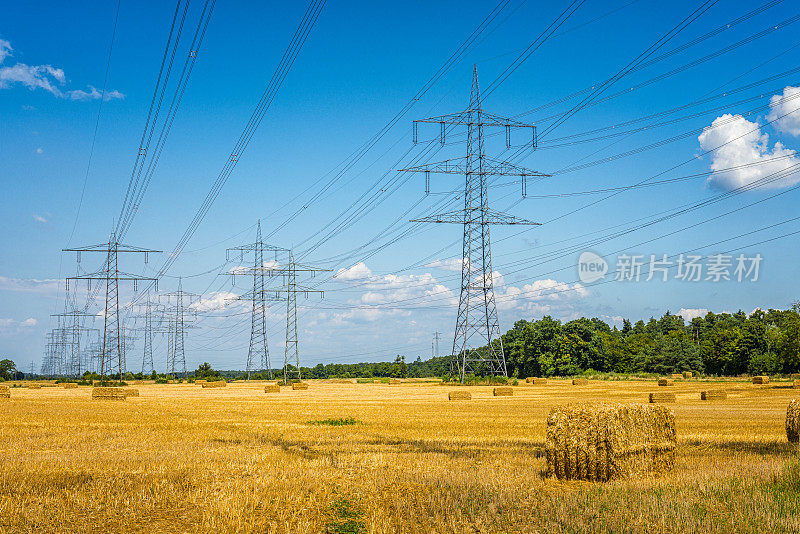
(490, 167)
(488, 216)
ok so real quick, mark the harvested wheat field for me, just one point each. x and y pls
(367, 458)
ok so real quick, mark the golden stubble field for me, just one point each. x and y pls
(180, 458)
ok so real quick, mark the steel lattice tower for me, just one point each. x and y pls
(259, 348)
(181, 316)
(112, 358)
(476, 321)
(69, 340)
(146, 311)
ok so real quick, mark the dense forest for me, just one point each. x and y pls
(716, 344)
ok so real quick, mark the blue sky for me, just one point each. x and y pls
(360, 66)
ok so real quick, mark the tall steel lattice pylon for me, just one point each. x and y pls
(259, 348)
(291, 354)
(147, 311)
(476, 321)
(112, 359)
(179, 307)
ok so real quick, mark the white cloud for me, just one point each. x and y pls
(690, 313)
(543, 297)
(359, 271)
(39, 218)
(450, 264)
(785, 111)
(12, 326)
(30, 285)
(214, 301)
(741, 142)
(39, 150)
(44, 77)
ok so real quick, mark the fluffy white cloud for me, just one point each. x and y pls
(741, 142)
(786, 111)
(359, 271)
(44, 77)
(690, 313)
(450, 264)
(39, 218)
(544, 297)
(12, 326)
(214, 301)
(30, 285)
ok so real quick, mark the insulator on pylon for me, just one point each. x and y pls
(193, 53)
(79, 256)
(146, 257)
(142, 151)
(414, 132)
(66, 283)
(524, 187)
(427, 183)
(441, 133)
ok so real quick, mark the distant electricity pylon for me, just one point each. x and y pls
(259, 349)
(112, 357)
(477, 312)
(435, 345)
(291, 353)
(69, 340)
(147, 311)
(178, 307)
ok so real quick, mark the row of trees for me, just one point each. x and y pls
(716, 344)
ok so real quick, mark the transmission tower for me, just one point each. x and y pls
(289, 293)
(435, 345)
(112, 357)
(180, 312)
(477, 320)
(147, 311)
(259, 351)
(69, 340)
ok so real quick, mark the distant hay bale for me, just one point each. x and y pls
(200, 382)
(761, 379)
(5, 393)
(131, 392)
(796, 384)
(536, 381)
(170, 381)
(109, 393)
(604, 441)
(714, 394)
(676, 376)
(793, 421)
(342, 381)
(299, 386)
(272, 388)
(579, 381)
(395, 381)
(215, 384)
(529, 380)
(665, 382)
(459, 395)
(662, 397)
(69, 385)
(34, 386)
(503, 392)
(138, 382)
(687, 374)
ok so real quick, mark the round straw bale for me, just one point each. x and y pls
(714, 394)
(662, 397)
(665, 382)
(793, 421)
(503, 392)
(272, 388)
(579, 381)
(459, 395)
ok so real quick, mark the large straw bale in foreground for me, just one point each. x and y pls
(503, 392)
(459, 395)
(299, 386)
(793, 421)
(579, 381)
(665, 382)
(760, 380)
(69, 385)
(272, 388)
(714, 394)
(215, 384)
(5, 393)
(662, 397)
(602, 441)
(109, 393)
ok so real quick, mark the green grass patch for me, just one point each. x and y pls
(346, 518)
(340, 421)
